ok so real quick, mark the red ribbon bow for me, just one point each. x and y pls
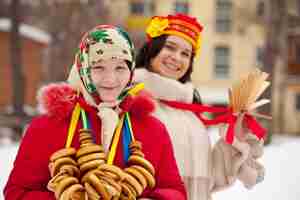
(228, 117)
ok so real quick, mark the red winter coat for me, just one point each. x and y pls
(47, 134)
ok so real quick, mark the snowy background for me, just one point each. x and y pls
(282, 180)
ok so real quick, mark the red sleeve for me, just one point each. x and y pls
(169, 183)
(29, 176)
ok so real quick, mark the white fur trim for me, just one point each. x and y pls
(164, 88)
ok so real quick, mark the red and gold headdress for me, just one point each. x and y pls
(179, 24)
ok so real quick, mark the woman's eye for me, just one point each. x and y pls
(121, 68)
(98, 68)
(185, 54)
(170, 47)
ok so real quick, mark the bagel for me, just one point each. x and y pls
(65, 152)
(84, 177)
(70, 191)
(138, 176)
(62, 161)
(127, 192)
(116, 198)
(91, 165)
(135, 145)
(111, 182)
(110, 189)
(149, 177)
(92, 148)
(63, 184)
(83, 136)
(72, 170)
(112, 175)
(138, 153)
(92, 156)
(136, 160)
(123, 197)
(131, 189)
(52, 184)
(86, 141)
(112, 169)
(99, 187)
(92, 193)
(85, 131)
(134, 183)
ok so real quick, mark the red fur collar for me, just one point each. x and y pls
(59, 99)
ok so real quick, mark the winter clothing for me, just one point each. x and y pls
(204, 168)
(180, 25)
(47, 133)
(102, 42)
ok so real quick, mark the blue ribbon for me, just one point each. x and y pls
(126, 136)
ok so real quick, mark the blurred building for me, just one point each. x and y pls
(291, 84)
(34, 47)
(233, 37)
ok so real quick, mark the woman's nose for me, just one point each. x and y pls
(176, 56)
(109, 76)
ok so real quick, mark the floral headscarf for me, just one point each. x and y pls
(102, 42)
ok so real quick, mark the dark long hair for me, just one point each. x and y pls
(151, 50)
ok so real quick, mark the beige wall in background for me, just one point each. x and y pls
(243, 40)
(291, 115)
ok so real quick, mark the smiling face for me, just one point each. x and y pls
(110, 77)
(174, 58)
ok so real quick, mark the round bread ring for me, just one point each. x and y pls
(71, 170)
(116, 198)
(63, 184)
(113, 169)
(134, 183)
(92, 148)
(137, 175)
(85, 131)
(99, 187)
(62, 161)
(110, 189)
(84, 177)
(138, 153)
(67, 193)
(91, 165)
(51, 170)
(135, 145)
(52, 184)
(84, 145)
(86, 141)
(85, 136)
(112, 175)
(65, 152)
(133, 159)
(92, 193)
(92, 156)
(124, 197)
(127, 192)
(149, 177)
(111, 182)
(133, 191)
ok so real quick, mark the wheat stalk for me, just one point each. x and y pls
(243, 95)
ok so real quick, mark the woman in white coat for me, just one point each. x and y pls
(166, 64)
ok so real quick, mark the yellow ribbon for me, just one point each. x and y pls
(113, 150)
(135, 89)
(73, 124)
(130, 126)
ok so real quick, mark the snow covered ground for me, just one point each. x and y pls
(282, 180)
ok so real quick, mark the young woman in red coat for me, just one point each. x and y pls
(99, 109)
